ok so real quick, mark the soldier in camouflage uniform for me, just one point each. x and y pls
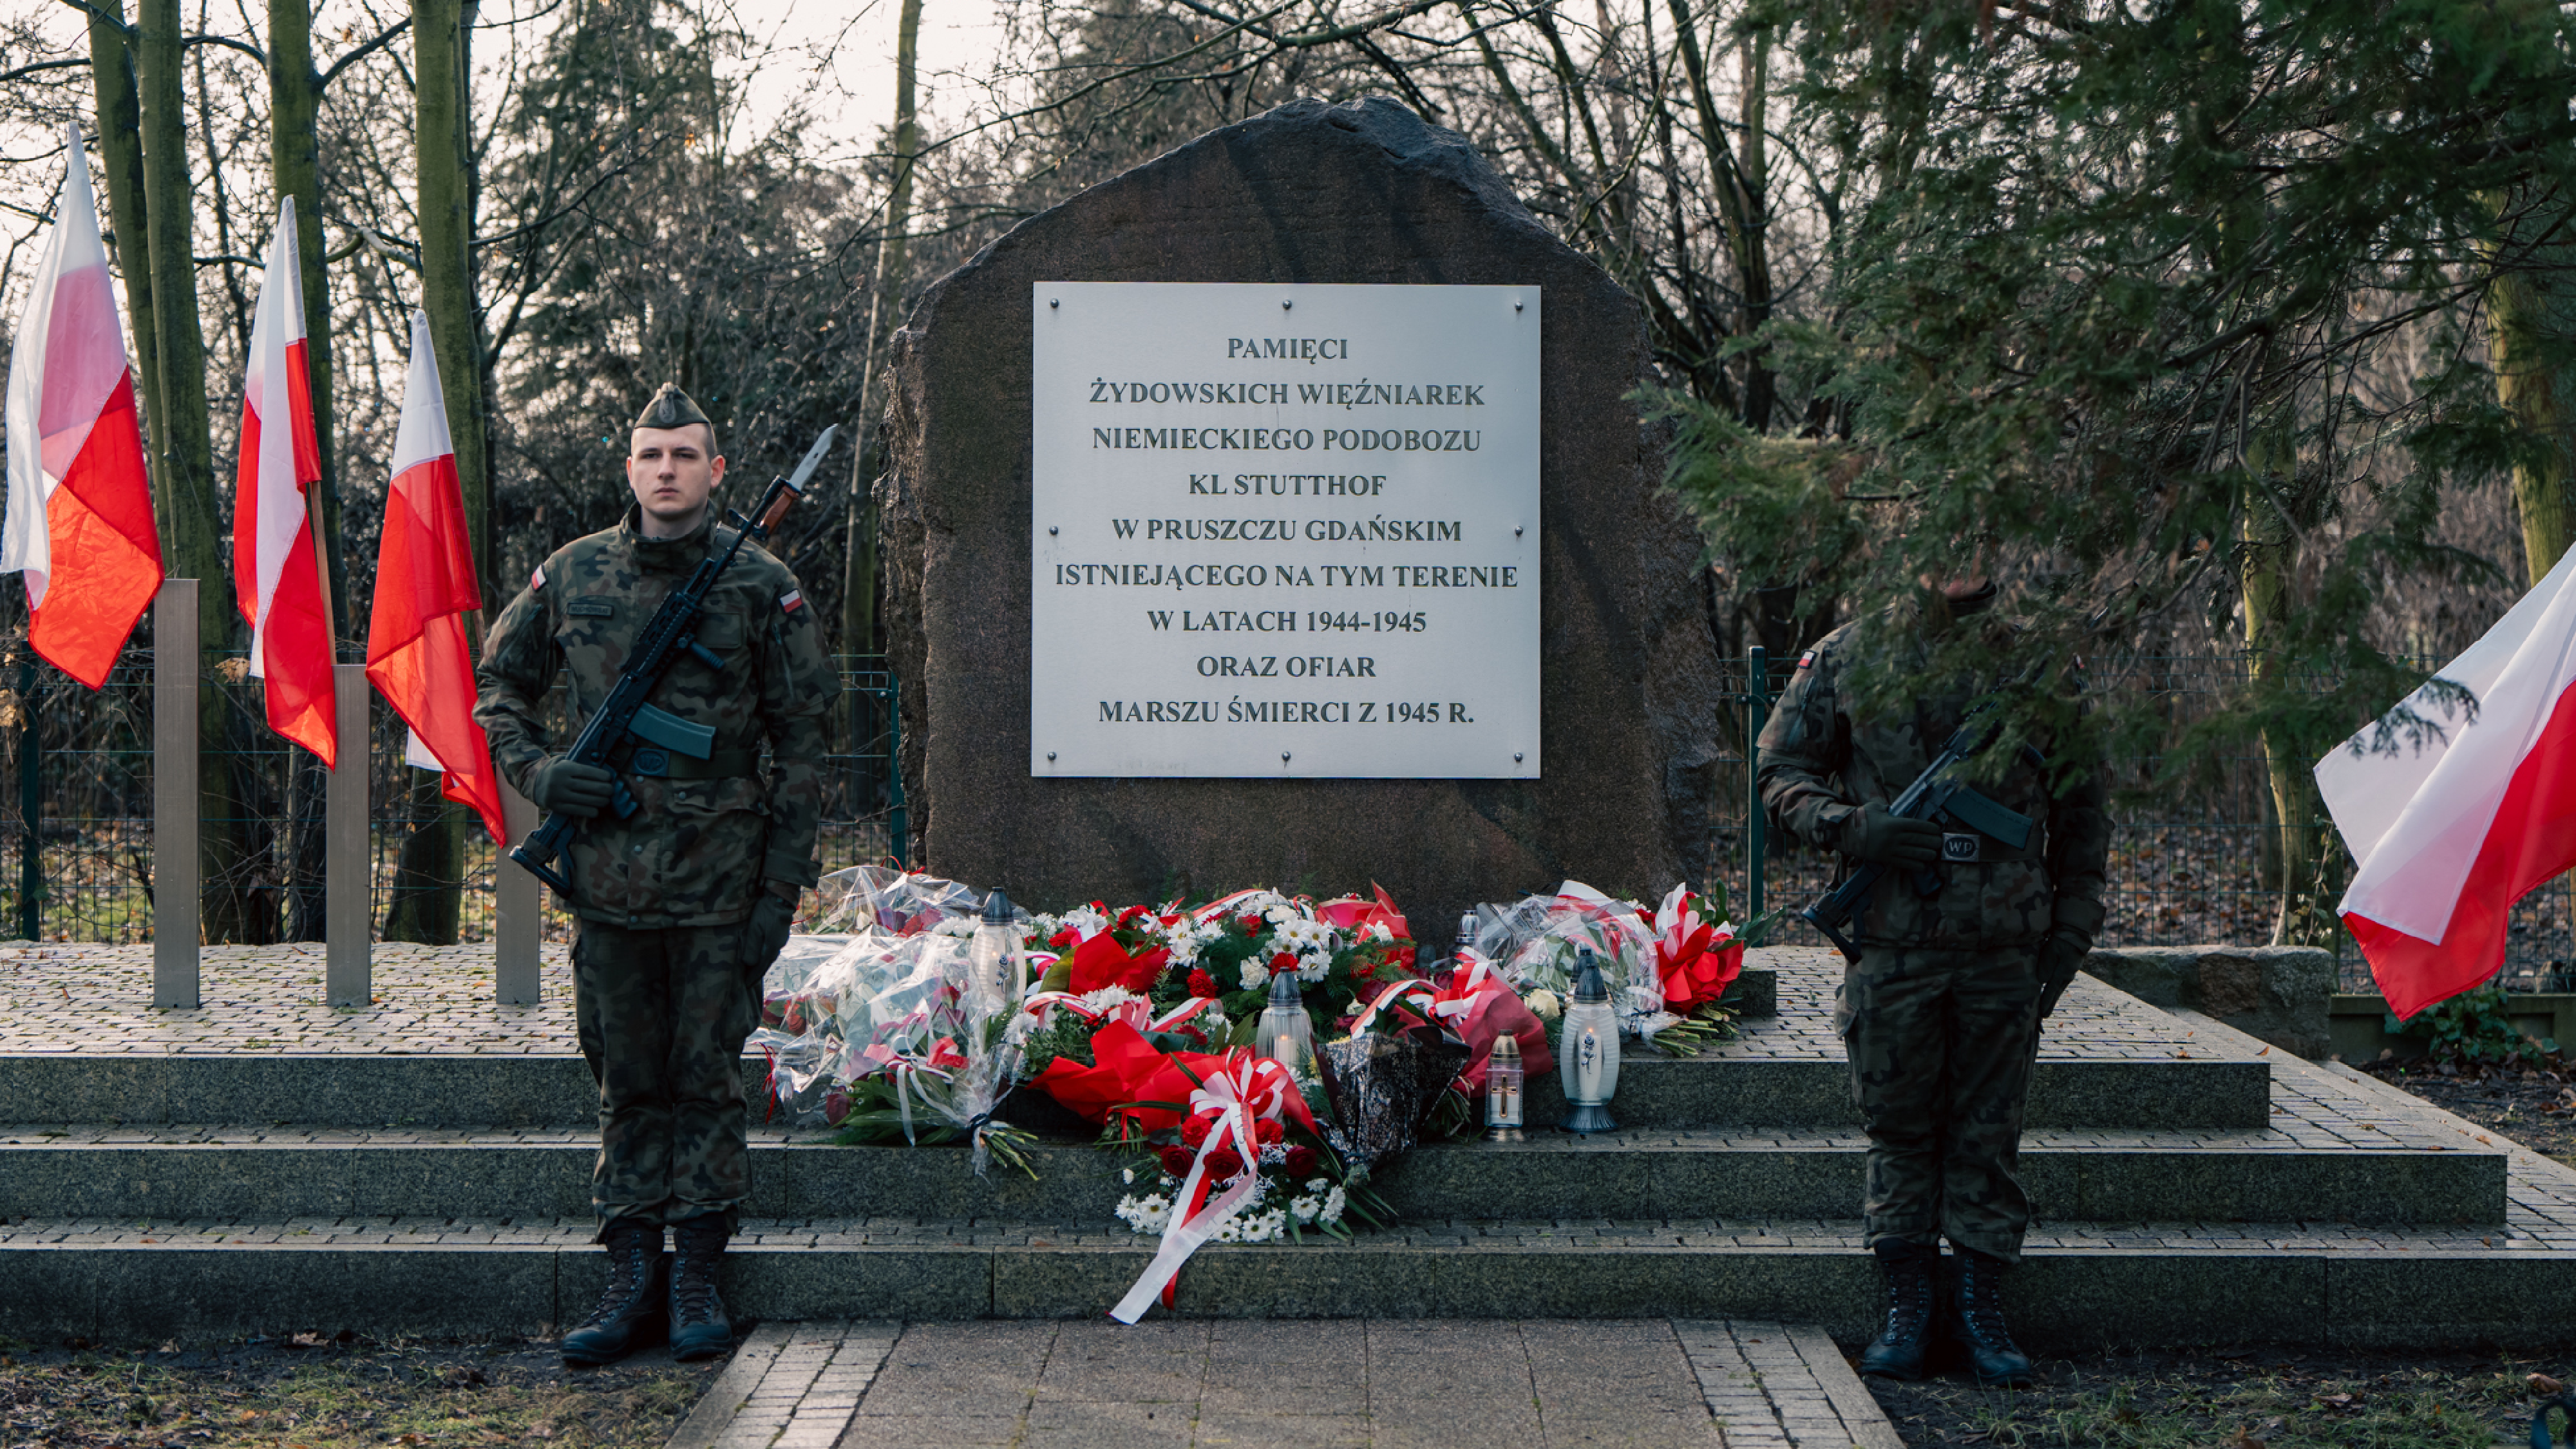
(1940, 1015)
(684, 904)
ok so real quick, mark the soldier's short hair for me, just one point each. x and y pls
(672, 408)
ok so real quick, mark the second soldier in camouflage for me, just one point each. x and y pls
(682, 905)
(1940, 1014)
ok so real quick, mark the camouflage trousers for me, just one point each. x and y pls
(662, 1016)
(1941, 1045)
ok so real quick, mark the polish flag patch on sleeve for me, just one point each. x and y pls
(537, 580)
(1807, 659)
(791, 601)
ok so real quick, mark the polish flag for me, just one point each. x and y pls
(416, 650)
(276, 574)
(80, 507)
(2452, 829)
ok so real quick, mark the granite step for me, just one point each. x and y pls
(2136, 1284)
(2328, 1151)
(2122, 1279)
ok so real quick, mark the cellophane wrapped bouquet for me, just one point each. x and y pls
(870, 1027)
(1667, 965)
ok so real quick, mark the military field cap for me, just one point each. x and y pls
(672, 408)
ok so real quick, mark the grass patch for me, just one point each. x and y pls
(2261, 1399)
(324, 1394)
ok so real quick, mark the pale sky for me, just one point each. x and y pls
(854, 88)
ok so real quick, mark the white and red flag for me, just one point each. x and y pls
(79, 525)
(2451, 831)
(417, 655)
(276, 573)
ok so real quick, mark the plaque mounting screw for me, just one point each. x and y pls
(1051, 755)
(1283, 757)
(1286, 303)
(1050, 529)
(1516, 757)
(1516, 530)
(1053, 303)
(1517, 304)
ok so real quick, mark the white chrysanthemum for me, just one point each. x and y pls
(1255, 975)
(1107, 997)
(1306, 1209)
(1311, 969)
(1334, 1202)
(1544, 1005)
(1378, 931)
(1145, 1215)
(960, 927)
(1280, 914)
(1127, 1175)
(1085, 922)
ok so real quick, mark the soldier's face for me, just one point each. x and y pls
(672, 475)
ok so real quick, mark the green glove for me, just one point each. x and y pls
(1876, 835)
(567, 787)
(2060, 957)
(770, 917)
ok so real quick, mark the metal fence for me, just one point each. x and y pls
(2188, 869)
(78, 764)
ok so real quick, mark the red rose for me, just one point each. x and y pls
(1195, 1131)
(836, 1105)
(1268, 1131)
(1301, 1162)
(1251, 925)
(1365, 971)
(1202, 984)
(1176, 1160)
(1062, 939)
(1224, 1165)
(1283, 961)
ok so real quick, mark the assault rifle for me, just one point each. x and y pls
(1930, 797)
(625, 730)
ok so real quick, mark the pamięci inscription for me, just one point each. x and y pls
(1397, 608)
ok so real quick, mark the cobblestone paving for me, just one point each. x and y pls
(97, 1001)
(2094, 1022)
(58, 999)
(1781, 1386)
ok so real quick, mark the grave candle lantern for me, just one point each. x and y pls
(1588, 1051)
(996, 972)
(1284, 1034)
(1503, 1084)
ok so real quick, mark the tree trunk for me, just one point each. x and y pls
(2264, 574)
(2531, 324)
(443, 165)
(429, 876)
(120, 146)
(859, 582)
(429, 873)
(183, 475)
(295, 167)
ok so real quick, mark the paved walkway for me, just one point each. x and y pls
(1375, 1384)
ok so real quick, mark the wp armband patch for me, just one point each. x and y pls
(537, 580)
(791, 601)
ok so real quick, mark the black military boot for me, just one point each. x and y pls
(1897, 1352)
(699, 1328)
(1977, 1318)
(630, 1313)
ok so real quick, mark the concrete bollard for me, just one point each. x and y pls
(175, 930)
(348, 908)
(518, 909)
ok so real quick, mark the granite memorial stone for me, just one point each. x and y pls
(1324, 197)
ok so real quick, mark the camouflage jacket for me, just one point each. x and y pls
(709, 833)
(1819, 766)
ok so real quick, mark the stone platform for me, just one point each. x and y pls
(423, 1164)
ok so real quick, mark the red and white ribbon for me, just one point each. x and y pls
(1250, 1089)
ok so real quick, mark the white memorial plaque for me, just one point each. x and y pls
(1284, 531)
